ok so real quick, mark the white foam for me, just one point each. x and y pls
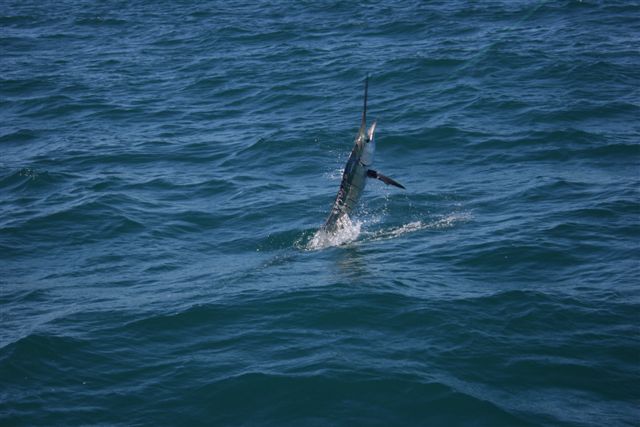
(450, 220)
(347, 231)
(447, 221)
(407, 228)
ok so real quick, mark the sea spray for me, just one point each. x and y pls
(346, 232)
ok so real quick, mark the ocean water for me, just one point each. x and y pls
(165, 168)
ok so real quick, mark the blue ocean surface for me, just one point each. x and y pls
(165, 168)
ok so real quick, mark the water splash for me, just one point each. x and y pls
(444, 222)
(346, 232)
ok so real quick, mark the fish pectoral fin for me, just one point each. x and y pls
(377, 175)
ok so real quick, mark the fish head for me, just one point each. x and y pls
(368, 145)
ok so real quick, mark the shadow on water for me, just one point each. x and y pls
(350, 262)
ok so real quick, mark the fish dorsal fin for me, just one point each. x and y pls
(363, 125)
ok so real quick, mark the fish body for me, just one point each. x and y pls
(356, 172)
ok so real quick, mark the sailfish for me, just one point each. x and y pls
(356, 172)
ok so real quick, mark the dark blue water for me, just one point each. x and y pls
(165, 166)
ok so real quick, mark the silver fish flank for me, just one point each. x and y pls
(356, 172)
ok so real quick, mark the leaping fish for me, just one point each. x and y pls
(356, 171)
